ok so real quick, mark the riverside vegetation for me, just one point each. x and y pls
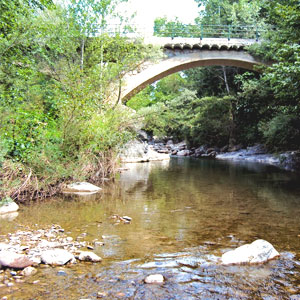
(57, 73)
(57, 119)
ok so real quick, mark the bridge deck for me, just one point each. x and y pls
(169, 42)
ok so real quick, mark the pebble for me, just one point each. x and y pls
(29, 271)
(101, 294)
(9, 284)
(61, 273)
(155, 278)
(35, 282)
(34, 243)
(99, 244)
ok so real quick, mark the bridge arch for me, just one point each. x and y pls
(180, 57)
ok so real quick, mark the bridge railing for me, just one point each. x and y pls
(211, 31)
(188, 31)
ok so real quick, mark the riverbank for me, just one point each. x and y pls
(289, 160)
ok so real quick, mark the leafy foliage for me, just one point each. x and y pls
(57, 118)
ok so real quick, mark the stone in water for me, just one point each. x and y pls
(259, 251)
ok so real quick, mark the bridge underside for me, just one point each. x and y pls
(180, 60)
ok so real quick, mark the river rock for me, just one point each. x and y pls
(14, 260)
(259, 251)
(136, 151)
(9, 208)
(142, 135)
(183, 153)
(200, 151)
(29, 271)
(155, 278)
(81, 188)
(89, 256)
(57, 257)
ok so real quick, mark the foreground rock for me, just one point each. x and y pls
(155, 278)
(57, 257)
(259, 251)
(28, 271)
(81, 188)
(9, 207)
(14, 260)
(89, 256)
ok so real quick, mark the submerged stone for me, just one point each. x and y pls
(259, 251)
(9, 207)
(81, 188)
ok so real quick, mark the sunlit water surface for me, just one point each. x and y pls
(185, 213)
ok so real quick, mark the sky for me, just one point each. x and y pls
(148, 10)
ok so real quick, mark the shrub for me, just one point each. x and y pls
(282, 132)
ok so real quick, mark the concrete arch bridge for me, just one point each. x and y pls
(184, 53)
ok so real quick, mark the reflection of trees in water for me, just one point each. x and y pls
(209, 199)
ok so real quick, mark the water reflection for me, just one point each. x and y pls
(186, 213)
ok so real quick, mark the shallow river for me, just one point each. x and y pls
(185, 214)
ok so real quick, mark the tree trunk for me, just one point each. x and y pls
(82, 54)
(225, 80)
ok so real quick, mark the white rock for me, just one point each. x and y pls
(89, 256)
(155, 278)
(9, 208)
(135, 151)
(36, 259)
(57, 257)
(81, 188)
(29, 271)
(4, 246)
(14, 260)
(259, 251)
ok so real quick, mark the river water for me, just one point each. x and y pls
(185, 214)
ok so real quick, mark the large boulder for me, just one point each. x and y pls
(57, 257)
(200, 151)
(8, 207)
(183, 153)
(259, 251)
(180, 146)
(14, 260)
(81, 188)
(136, 151)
